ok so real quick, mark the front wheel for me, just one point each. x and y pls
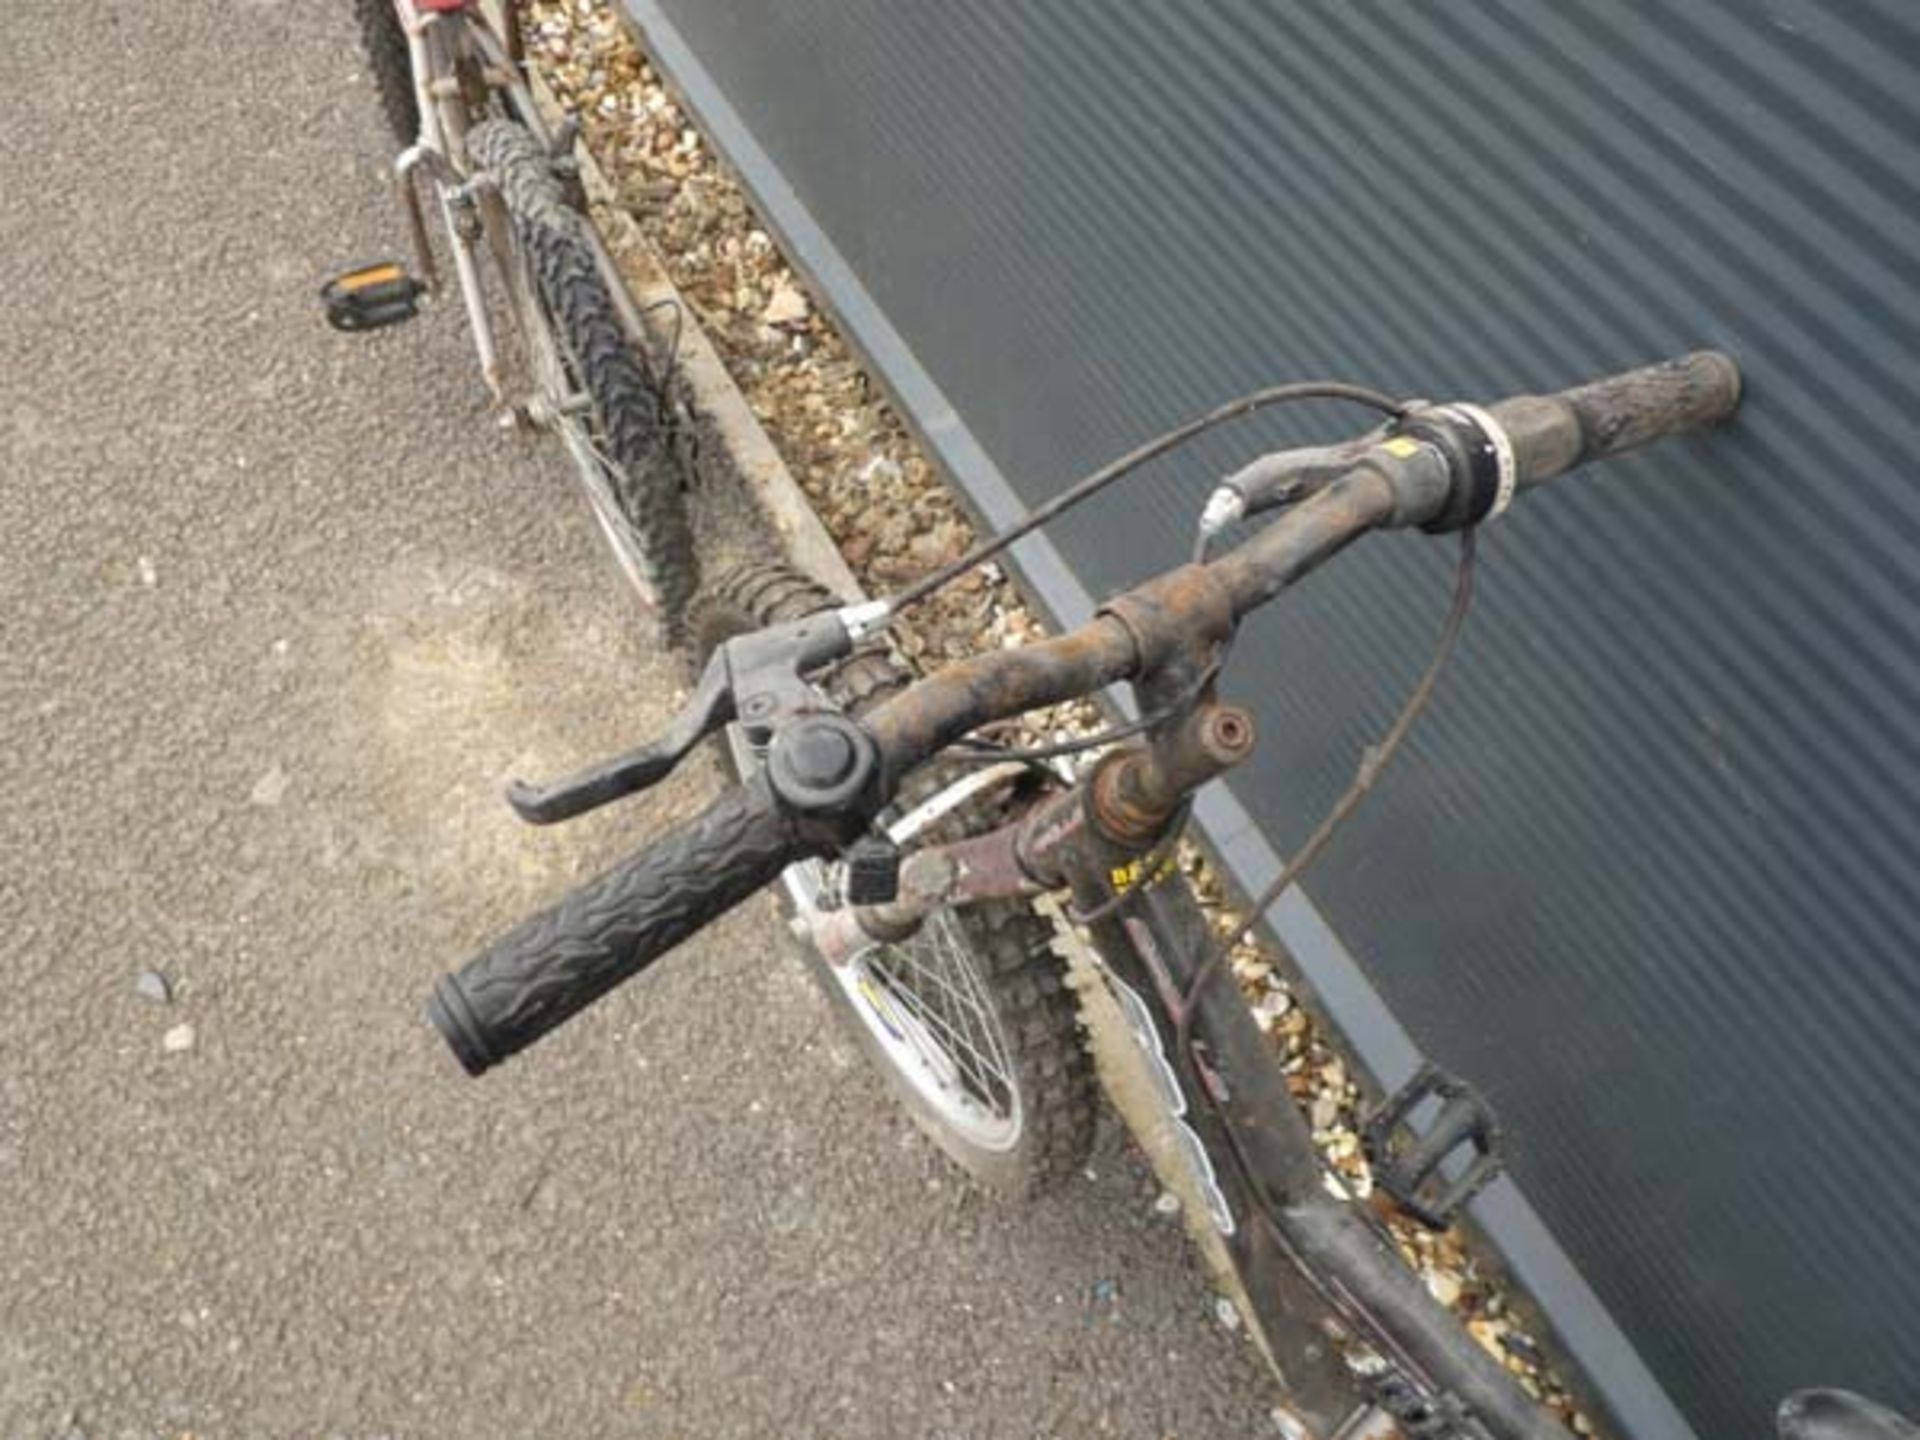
(970, 1021)
(612, 411)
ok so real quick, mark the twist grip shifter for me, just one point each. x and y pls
(757, 679)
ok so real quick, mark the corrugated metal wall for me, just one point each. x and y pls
(1647, 874)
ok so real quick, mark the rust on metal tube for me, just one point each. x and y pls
(1174, 618)
(1312, 532)
(963, 697)
(1137, 791)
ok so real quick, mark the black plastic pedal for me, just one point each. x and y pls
(1413, 1170)
(372, 296)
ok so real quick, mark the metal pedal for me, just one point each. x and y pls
(372, 296)
(1413, 1172)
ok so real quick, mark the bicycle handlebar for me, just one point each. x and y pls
(553, 965)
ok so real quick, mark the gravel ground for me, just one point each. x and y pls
(282, 611)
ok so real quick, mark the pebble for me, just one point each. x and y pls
(270, 788)
(152, 985)
(880, 470)
(1445, 1286)
(1167, 1204)
(1226, 1312)
(1521, 1346)
(1325, 1113)
(1271, 1008)
(1488, 1333)
(786, 307)
(177, 1040)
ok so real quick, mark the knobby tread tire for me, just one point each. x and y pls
(1025, 978)
(634, 413)
(384, 44)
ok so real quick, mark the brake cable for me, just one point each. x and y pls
(1373, 761)
(1098, 480)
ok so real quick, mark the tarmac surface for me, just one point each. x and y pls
(282, 610)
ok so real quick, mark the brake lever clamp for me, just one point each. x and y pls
(1480, 462)
(758, 679)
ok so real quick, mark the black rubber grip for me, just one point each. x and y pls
(553, 965)
(1553, 433)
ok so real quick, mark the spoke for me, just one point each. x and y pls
(968, 1019)
(904, 1015)
(931, 980)
(972, 1002)
(925, 1023)
(937, 1002)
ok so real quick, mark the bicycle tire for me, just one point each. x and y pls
(384, 44)
(631, 412)
(1007, 948)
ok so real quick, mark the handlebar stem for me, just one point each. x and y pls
(1136, 791)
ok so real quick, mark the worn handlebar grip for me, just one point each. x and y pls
(553, 965)
(1551, 434)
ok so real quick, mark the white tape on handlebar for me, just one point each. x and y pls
(1508, 469)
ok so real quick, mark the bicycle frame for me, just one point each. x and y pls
(455, 55)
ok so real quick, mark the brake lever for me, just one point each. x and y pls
(1286, 477)
(1283, 477)
(758, 679)
(710, 707)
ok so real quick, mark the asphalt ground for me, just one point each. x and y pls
(281, 611)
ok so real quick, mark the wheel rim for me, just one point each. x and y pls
(923, 1005)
